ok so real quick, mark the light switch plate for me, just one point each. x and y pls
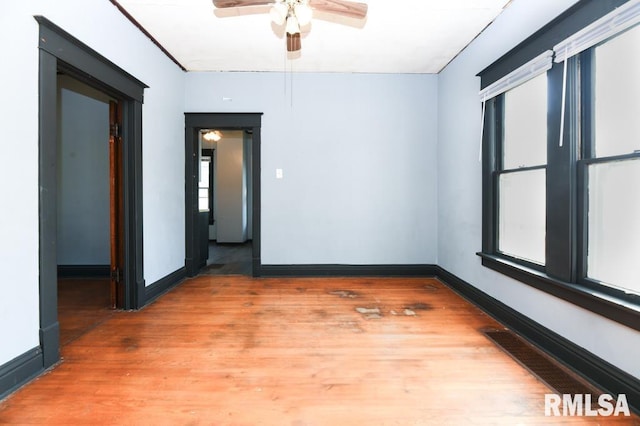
(279, 174)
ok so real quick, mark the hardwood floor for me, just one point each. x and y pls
(236, 350)
(83, 303)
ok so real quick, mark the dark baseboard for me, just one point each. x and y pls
(348, 270)
(50, 344)
(19, 371)
(256, 267)
(163, 285)
(84, 271)
(604, 375)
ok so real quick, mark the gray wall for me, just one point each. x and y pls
(83, 180)
(460, 192)
(230, 189)
(358, 154)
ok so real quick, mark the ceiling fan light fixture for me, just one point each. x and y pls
(278, 13)
(304, 13)
(293, 27)
(293, 14)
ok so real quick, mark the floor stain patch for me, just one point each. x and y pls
(129, 344)
(418, 307)
(370, 313)
(345, 294)
(409, 312)
(431, 287)
(320, 313)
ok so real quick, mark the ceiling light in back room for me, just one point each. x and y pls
(212, 135)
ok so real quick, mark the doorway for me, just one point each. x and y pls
(87, 205)
(59, 52)
(225, 195)
(198, 219)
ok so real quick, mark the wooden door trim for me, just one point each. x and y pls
(59, 51)
(116, 211)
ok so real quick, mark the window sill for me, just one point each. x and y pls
(612, 307)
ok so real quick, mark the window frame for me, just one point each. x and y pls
(203, 159)
(565, 272)
(587, 158)
(500, 170)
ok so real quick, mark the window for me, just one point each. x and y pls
(561, 160)
(203, 184)
(614, 224)
(521, 176)
(612, 162)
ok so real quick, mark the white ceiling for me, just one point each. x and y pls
(398, 36)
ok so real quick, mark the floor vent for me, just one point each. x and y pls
(540, 365)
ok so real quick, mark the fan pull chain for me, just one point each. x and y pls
(291, 83)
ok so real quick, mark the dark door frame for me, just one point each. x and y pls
(194, 122)
(59, 51)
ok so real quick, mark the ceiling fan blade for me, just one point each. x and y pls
(347, 8)
(294, 42)
(222, 4)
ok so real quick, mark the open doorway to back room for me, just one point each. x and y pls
(222, 201)
(62, 54)
(83, 249)
(225, 197)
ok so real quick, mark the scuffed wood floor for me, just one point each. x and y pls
(221, 350)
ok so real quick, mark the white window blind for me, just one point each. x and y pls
(609, 25)
(538, 65)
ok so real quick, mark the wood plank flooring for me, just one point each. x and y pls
(234, 350)
(83, 303)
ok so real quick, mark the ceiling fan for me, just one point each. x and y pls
(296, 13)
